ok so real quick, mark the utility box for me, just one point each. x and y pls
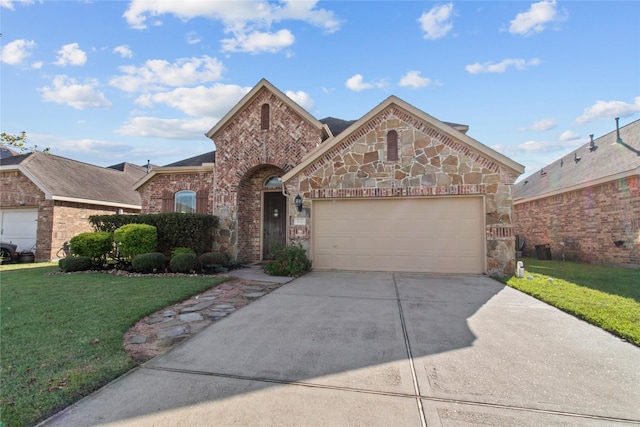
(543, 252)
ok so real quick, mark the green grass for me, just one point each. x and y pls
(608, 297)
(61, 334)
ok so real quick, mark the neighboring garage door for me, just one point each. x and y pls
(19, 226)
(439, 235)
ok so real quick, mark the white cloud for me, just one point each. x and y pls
(123, 51)
(16, 52)
(37, 65)
(249, 22)
(257, 42)
(609, 110)
(92, 146)
(67, 91)
(569, 135)
(536, 18)
(71, 54)
(541, 125)
(301, 98)
(154, 127)
(501, 67)
(9, 4)
(156, 74)
(436, 22)
(357, 84)
(193, 38)
(415, 80)
(212, 101)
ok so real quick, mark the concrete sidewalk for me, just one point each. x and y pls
(346, 348)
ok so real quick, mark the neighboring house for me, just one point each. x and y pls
(396, 190)
(46, 199)
(586, 205)
(184, 186)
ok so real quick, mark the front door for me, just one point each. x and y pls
(274, 222)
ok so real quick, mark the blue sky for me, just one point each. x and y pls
(110, 81)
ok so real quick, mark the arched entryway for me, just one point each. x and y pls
(262, 213)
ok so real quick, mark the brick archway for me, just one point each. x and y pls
(250, 189)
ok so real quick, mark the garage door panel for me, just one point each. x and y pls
(423, 235)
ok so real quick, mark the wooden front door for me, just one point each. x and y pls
(274, 223)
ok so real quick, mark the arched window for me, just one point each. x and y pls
(273, 181)
(185, 201)
(264, 117)
(392, 145)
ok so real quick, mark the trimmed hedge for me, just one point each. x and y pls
(210, 259)
(149, 263)
(135, 239)
(174, 229)
(184, 263)
(290, 260)
(93, 245)
(75, 263)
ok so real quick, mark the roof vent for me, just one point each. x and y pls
(618, 139)
(561, 162)
(592, 145)
(576, 158)
(542, 172)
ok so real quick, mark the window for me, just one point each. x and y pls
(273, 181)
(185, 201)
(264, 117)
(392, 145)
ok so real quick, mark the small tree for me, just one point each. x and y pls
(19, 142)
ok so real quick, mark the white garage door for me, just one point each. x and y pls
(20, 227)
(439, 235)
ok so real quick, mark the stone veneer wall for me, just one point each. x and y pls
(242, 147)
(588, 222)
(151, 193)
(429, 163)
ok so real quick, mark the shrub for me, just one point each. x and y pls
(135, 239)
(178, 251)
(93, 245)
(174, 229)
(184, 263)
(75, 263)
(291, 260)
(210, 259)
(149, 263)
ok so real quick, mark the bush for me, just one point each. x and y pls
(149, 263)
(178, 251)
(288, 261)
(135, 239)
(210, 259)
(93, 245)
(75, 263)
(174, 229)
(184, 263)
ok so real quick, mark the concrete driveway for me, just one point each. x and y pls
(347, 348)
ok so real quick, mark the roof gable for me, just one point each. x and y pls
(456, 139)
(247, 99)
(609, 159)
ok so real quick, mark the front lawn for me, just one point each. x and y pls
(608, 297)
(61, 334)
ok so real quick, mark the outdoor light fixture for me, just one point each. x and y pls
(298, 201)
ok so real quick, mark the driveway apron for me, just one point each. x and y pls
(339, 348)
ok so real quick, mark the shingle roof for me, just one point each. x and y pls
(66, 178)
(6, 152)
(209, 157)
(608, 159)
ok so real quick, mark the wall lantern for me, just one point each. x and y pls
(298, 201)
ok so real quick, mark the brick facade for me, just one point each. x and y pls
(151, 194)
(588, 221)
(245, 154)
(58, 221)
(429, 163)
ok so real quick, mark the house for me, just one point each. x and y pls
(47, 199)
(586, 205)
(396, 190)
